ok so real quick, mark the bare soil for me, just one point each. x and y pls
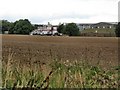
(34, 49)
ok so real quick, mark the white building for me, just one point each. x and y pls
(45, 30)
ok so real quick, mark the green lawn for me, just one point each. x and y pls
(112, 31)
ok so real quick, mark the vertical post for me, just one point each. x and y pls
(0, 54)
(118, 45)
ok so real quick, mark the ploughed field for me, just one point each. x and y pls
(102, 51)
(59, 62)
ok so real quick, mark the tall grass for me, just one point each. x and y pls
(57, 74)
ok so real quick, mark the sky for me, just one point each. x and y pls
(60, 11)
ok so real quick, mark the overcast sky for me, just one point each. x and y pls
(56, 11)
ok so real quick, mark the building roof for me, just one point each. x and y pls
(102, 23)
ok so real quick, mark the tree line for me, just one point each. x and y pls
(24, 26)
(72, 30)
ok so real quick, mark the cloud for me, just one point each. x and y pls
(39, 11)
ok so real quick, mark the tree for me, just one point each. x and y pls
(61, 28)
(36, 26)
(72, 29)
(117, 30)
(23, 27)
(6, 26)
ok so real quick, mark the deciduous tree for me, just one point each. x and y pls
(61, 28)
(72, 29)
(23, 27)
(7, 26)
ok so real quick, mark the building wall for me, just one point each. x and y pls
(46, 29)
(97, 25)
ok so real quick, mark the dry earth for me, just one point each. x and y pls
(34, 49)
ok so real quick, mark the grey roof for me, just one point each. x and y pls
(98, 23)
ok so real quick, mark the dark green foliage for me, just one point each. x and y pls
(72, 29)
(117, 30)
(23, 27)
(7, 26)
(61, 28)
(36, 26)
(18, 27)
